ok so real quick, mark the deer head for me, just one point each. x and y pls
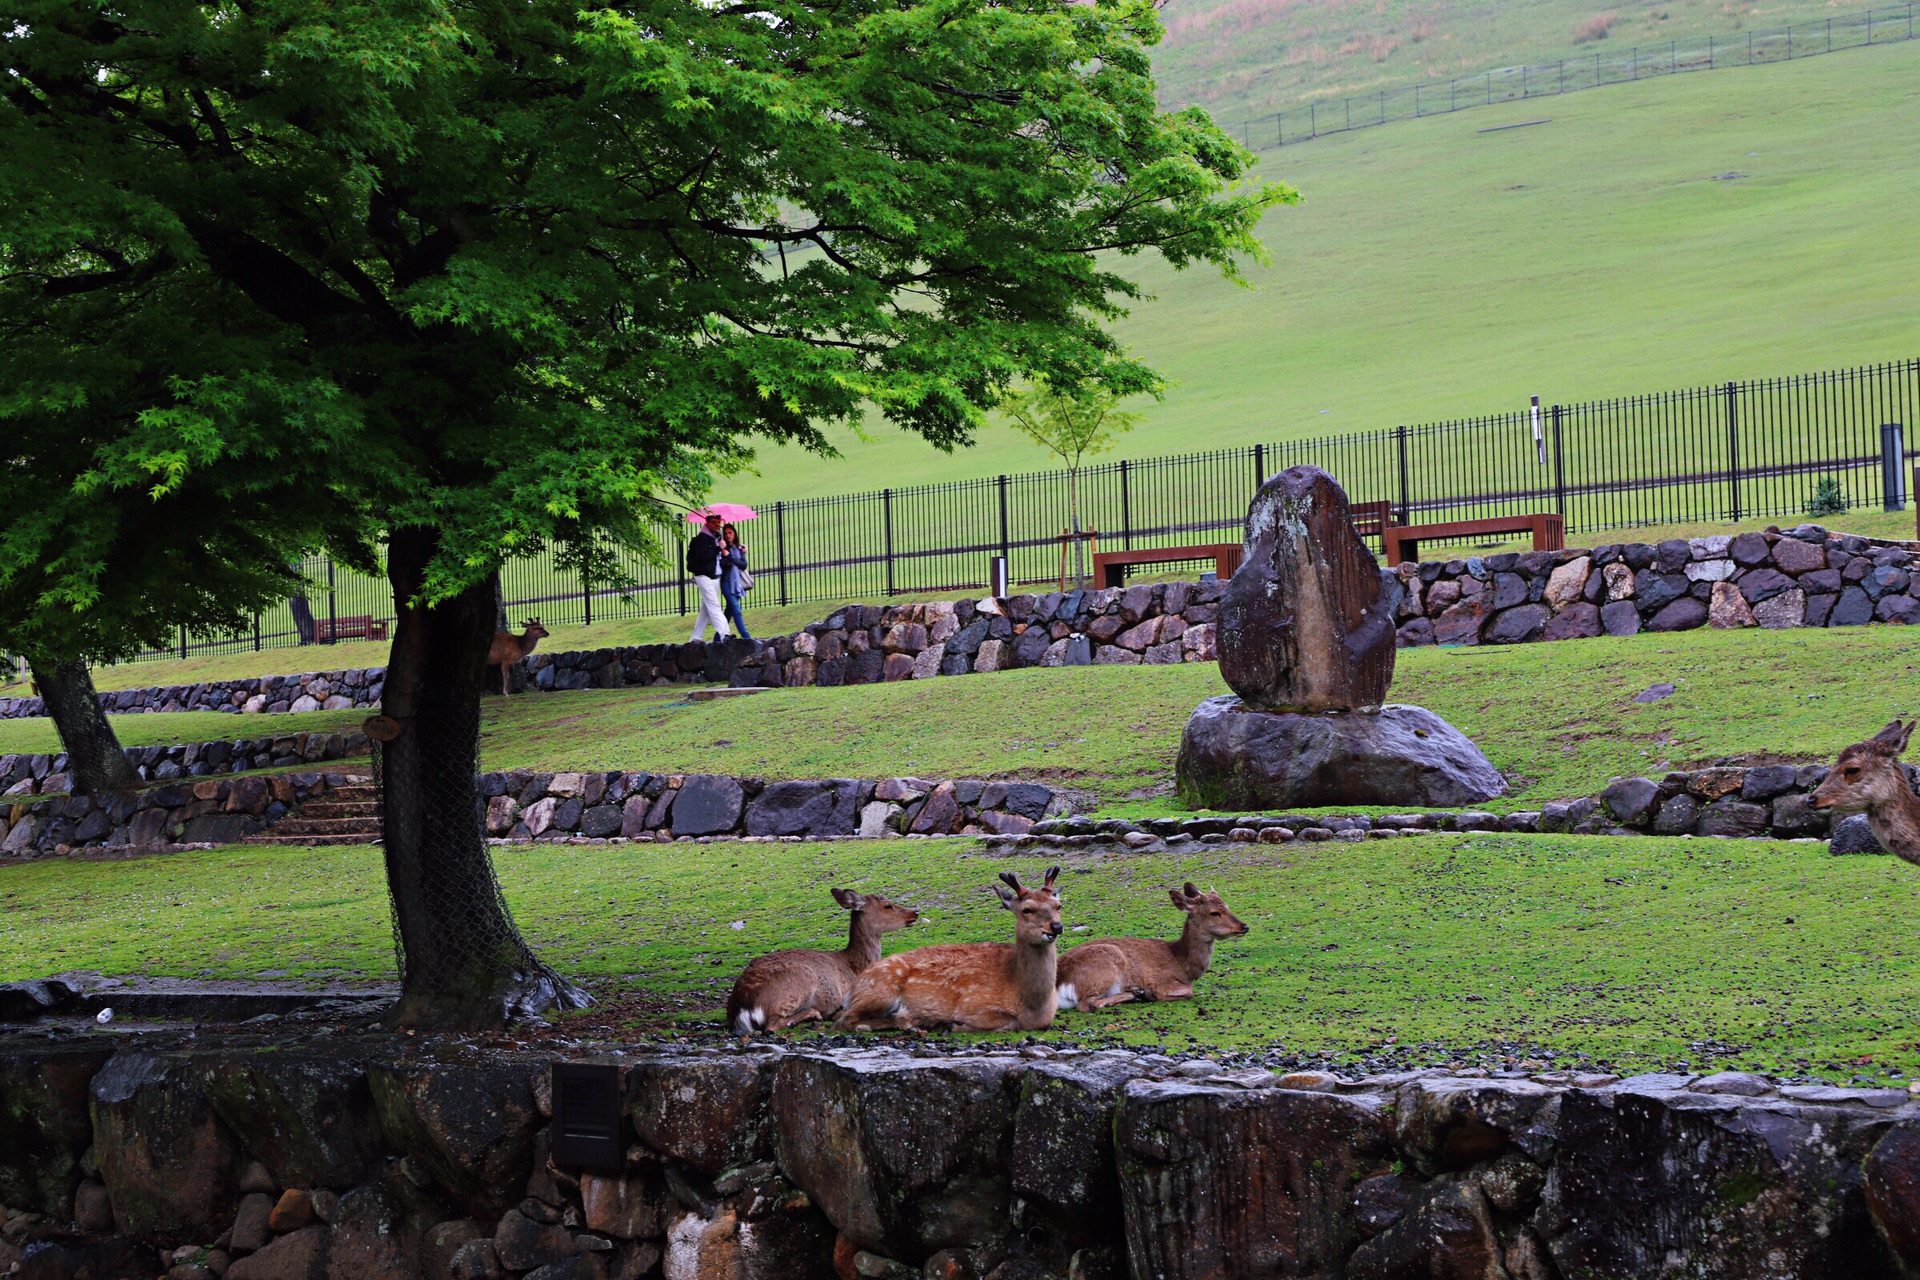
(1868, 774)
(1207, 912)
(1036, 911)
(880, 914)
(534, 631)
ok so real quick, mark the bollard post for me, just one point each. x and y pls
(1893, 455)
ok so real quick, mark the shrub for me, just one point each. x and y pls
(1595, 28)
(1828, 499)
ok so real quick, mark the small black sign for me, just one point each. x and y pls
(588, 1128)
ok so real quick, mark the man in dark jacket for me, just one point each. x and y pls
(703, 566)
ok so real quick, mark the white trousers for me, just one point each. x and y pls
(711, 610)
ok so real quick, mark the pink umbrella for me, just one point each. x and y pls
(729, 511)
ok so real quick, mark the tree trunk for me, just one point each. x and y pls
(463, 964)
(94, 756)
(1073, 507)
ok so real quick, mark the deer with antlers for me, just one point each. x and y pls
(509, 648)
(1111, 971)
(1868, 778)
(786, 987)
(979, 986)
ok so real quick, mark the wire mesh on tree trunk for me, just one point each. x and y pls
(461, 925)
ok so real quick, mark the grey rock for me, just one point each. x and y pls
(1620, 618)
(1307, 622)
(1632, 801)
(1234, 757)
(707, 804)
(1675, 816)
(1853, 835)
(1520, 625)
(1683, 614)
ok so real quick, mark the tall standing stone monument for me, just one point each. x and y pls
(1306, 639)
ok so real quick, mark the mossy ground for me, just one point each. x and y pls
(1640, 953)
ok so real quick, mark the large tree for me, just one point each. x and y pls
(517, 259)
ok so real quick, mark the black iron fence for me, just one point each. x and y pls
(1733, 451)
(1606, 64)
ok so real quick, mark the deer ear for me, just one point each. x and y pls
(1008, 894)
(1894, 736)
(1179, 900)
(1189, 890)
(849, 899)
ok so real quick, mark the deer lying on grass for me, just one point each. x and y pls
(1108, 971)
(979, 986)
(786, 987)
(1867, 778)
(509, 648)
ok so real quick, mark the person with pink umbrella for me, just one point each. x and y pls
(703, 566)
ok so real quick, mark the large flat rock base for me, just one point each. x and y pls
(1235, 757)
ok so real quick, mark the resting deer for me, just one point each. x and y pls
(509, 648)
(1108, 971)
(980, 986)
(1867, 778)
(786, 987)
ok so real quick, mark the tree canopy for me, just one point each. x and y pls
(450, 280)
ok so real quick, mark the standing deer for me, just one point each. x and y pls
(509, 648)
(1109, 971)
(786, 987)
(979, 986)
(1868, 778)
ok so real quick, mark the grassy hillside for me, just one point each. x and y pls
(1642, 953)
(1241, 58)
(1558, 719)
(1435, 271)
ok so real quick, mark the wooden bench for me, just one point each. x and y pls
(1110, 567)
(1372, 520)
(355, 627)
(1403, 541)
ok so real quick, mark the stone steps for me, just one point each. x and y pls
(345, 815)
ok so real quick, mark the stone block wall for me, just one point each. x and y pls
(655, 806)
(205, 811)
(46, 774)
(1805, 577)
(382, 1156)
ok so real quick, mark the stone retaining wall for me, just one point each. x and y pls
(46, 774)
(387, 1157)
(206, 811)
(655, 806)
(1805, 577)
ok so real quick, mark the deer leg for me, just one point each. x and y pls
(1102, 1002)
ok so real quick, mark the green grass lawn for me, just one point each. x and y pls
(165, 728)
(1753, 954)
(1436, 272)
(1560, 718)
(1557, 718)
(1240, 57)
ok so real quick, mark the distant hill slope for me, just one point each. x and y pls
(1246, 58)
(1436, 271)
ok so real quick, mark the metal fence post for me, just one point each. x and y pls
(1406, 505)
(1733, 449)
(1006, 541)
(780, 544)
(1259, 466)
(333, 612)
(683, 579)
(886, 506)
(1559, 469)
(1893, 453)
(256, 631)
(183, 642)
(586, 599)
(1126, 509)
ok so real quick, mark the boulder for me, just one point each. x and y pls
(707, 805)
(1631, 801)
(1578, 621)
(1062, 1155)
(788, 1246)
(1234, 757)
(1853, 835)
(1620, 617)
(168, 1162)
(940, 815)
(299, 1255)
(904, 1156)
(1787, 609)
(1447, 1234)
(708, 1113)
(1221, 1182)
(1307, 620)
(471, 1124)
(307, 1116)
(826, 808)
(1892, 1184)
(1567, 583)
(1727, 608)
(523, 1244)
(1453, 1124)
(1522, 624)
(1764, 1189)
(626, 1206)
(45, 1127)
(1683, 614)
